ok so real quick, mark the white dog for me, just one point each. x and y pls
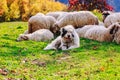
(68, 39)
(39, 35)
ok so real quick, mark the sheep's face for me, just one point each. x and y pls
(105, 14)
(115, 31)
(55, 29)
(67, 34)
(114, 28)
(22, 37)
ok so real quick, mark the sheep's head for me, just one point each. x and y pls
(55, 29)
(105, 14)
(114, 28)
(22, 37)
(115, 31)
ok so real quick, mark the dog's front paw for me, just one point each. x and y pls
(63, 48)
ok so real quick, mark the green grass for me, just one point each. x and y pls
(27, 60)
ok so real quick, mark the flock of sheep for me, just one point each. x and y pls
(44, 27)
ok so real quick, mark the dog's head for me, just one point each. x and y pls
(67, 33)
(105, 14)
(22, 37)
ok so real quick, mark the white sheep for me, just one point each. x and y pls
(40, 22)
(81, 31)
(116, 32)
(56, 14)
(40, 14)
(112, 18)
(77, 19)
(39, 35)
(106, 13)
(100, 33)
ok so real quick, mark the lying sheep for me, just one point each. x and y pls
(40, 22)
(100, 33)
(40, 14)
(112, 18)
(56, 15)
(106, 13)
(77, 19)
(39, 35)
(81, 31)
(116, 32)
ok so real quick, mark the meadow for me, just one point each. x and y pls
(26, 60)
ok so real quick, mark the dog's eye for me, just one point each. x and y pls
(72, 35)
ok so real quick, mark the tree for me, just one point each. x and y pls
(14, 12)
(90, 5)
(3, 9)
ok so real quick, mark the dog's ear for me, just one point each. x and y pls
(63, 32)
(24, 37)
(114, 29)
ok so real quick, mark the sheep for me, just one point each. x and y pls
(40, 14)
(112, 18)
(39, 35)
(56, 15)
(106, 13)
(116, 32)
(40, 22)
(81, 31)
(77, 19)
(100, 33)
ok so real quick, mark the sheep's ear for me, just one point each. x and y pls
(24, 37)
(57, 27)
(114, 29)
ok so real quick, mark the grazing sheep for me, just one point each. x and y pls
(39, 35)
(106, 13)
(56, 15)
(40, 22)
(77, 19)
(112, 18)
(116, 32)
(100, 33)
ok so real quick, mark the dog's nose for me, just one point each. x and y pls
(68, 36)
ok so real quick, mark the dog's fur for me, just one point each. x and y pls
(39, 35)
(68, 39)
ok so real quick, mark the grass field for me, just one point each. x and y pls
(27, 60)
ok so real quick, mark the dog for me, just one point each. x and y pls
(68, 39)
(39, 35)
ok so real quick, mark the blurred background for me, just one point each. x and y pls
(21, 10)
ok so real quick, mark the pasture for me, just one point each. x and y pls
(26, 60)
